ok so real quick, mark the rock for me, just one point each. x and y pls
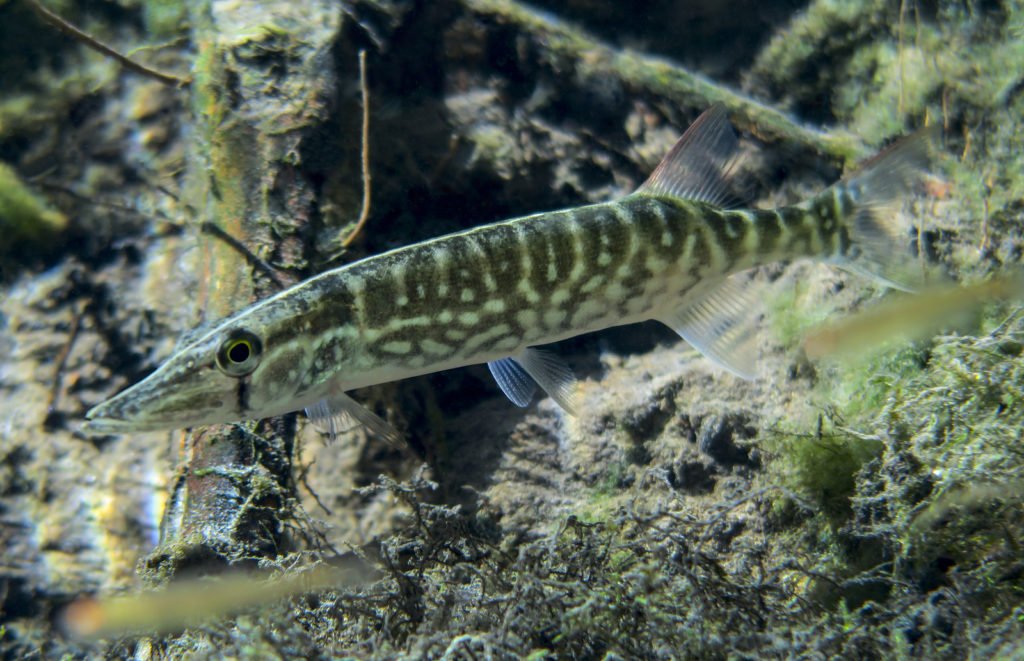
(691, 476)
(717, 438)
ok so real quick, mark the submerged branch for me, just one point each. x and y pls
(215, 230)
(664, 79)
(100, 47)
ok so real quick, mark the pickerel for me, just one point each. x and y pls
(670, 251)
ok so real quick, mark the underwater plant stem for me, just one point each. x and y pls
(364, 210)
(100, 47)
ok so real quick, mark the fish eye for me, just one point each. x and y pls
(239, 354)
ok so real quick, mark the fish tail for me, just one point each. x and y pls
(872, 239)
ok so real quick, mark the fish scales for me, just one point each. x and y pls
(545, 277)
(490, 294)
(540, 268)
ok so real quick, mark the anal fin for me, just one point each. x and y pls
(518, 377)
(719, 320)
(337, 413)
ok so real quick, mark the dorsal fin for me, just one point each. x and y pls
(699, 166)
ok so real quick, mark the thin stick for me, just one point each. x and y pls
(983, 248)
(97, 45)
(364, 211)
(62, 361)
(260, 265)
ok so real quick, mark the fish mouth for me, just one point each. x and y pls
(110, 425)
(124, 413)
(106, 419)
(137, 410)
(100, 420)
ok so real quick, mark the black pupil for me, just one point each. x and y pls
(239, 352)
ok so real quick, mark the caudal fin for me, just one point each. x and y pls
(876, 190)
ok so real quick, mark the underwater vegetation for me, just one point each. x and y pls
(868, 507)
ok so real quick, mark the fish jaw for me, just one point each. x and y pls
(190, 389)
(181, 393)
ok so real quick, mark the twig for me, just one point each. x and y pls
(100, 47)
(303, 479)
(984, 247)
(62, 360)
(266, 269)
(364, 211)
(967, 144)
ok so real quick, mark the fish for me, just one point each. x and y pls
(675, 250)
(192, 602)
(909, 318)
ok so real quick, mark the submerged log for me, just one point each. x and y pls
(262, 81)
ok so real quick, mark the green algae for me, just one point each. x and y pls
(164, 18)
(921, 475)
(823, 467)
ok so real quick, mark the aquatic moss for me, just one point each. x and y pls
(453, 582)
(827, 31)
(823, 467)
(944, 492)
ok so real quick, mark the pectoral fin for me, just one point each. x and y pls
(338, 413)
(720, 322)
(518, 377)
(513, 380)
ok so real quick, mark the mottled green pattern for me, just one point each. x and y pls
(488, 292)
(482, 295)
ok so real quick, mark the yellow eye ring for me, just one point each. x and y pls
(238, 351)
(239, 354)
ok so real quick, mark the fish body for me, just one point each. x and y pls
(669, 251)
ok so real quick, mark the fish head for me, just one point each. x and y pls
(230, 374)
